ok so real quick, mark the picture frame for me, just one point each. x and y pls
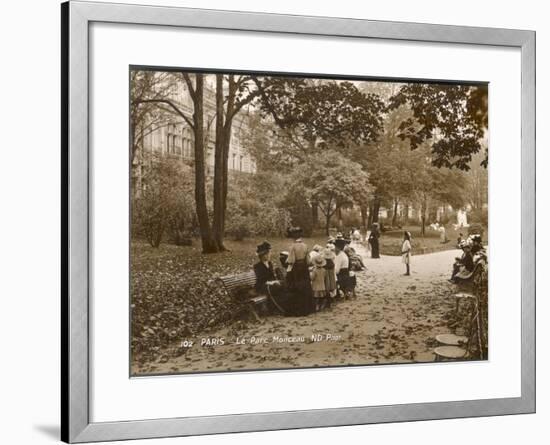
(76, 280)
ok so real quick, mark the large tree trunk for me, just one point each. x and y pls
(339, 215)
(375, 209)
(327, 224)
(315, 214)
(223, 143)
(433, 213)
(217, 225)
(225, 169)
(364, 216)
(394, 217)
(370, 221)
(406, 216)
(423, 209)
(208, 243)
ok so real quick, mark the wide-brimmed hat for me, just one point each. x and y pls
(263, 248)
(330, 246)
(317, 248)
(319, 261)
(340, 243)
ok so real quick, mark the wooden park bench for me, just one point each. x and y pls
(244, 285)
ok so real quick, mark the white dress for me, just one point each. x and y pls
(406, 252)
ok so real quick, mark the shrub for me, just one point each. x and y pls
(257, 220)
(300, 212)
(476, 229)
(479, 216)
(164, 204)
(351, 219)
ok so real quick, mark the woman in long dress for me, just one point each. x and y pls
(373, 240)
(269, 280)
(298, 274)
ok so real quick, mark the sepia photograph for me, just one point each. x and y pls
(290, 221)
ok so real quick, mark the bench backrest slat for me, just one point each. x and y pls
(232, 283)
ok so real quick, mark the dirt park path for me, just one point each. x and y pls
(394, 319)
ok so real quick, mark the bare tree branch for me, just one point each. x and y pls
(192, 91)
(171, 104)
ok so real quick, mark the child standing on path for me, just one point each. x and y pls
(406, 251)
(317, 275)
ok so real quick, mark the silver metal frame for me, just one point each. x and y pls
(76, 18)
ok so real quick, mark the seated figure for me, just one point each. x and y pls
(463, 266)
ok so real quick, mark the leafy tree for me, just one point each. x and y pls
(477, 183)
(388, 160)
(455, 117)
(332, 181)
(434, 186)
(313, 114)
(253, 208)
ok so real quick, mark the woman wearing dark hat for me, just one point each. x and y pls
(267, 282)
(263, 269)
(476, 243)
(373, 240)
(298, 273)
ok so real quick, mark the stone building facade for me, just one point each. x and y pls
(175, 139)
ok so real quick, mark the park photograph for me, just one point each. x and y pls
(282, 221)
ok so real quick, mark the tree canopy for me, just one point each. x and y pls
(332, 181)
(454, 117)
(315, 115)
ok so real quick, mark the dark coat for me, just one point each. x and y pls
(467, 261)
(263, 275)
(374, 243)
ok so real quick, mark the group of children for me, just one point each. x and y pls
(309, 279)
(332, 271)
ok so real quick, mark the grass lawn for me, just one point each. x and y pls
(390, 242)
